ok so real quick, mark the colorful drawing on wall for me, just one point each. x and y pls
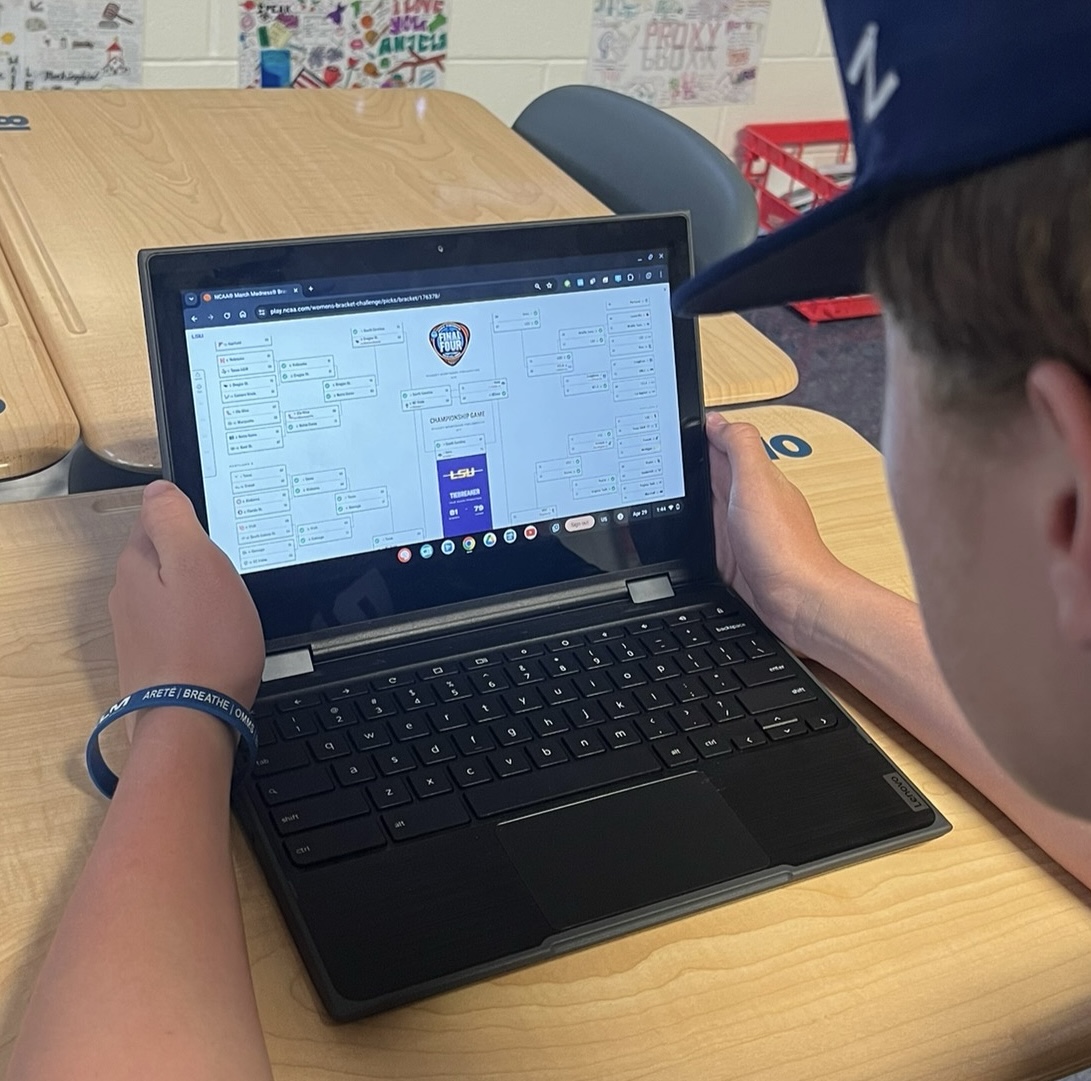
(329, 44)
(678, 52)
(64, 44)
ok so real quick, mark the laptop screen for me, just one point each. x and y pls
(463, 430)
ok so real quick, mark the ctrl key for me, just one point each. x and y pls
(329, 842)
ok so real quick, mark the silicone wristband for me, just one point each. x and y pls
(187, 696)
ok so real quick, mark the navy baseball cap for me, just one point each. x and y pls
(936, 90)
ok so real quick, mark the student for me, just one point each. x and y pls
(972, 212)
(971, 219)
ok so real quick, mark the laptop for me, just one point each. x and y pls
(509, 709)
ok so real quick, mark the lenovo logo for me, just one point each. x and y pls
(902, 787)
(14, 123)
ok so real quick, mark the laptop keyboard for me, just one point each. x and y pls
(408, 753)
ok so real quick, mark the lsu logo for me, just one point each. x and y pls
(466, 473)
(450, 341)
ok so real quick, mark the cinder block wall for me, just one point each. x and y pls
(506, 52)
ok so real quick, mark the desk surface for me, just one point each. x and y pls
(966, 957)
(740, 364)
(141, 169)
(37, 425)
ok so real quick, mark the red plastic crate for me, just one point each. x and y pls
(781, 147)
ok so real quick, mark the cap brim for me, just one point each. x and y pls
(823, 254)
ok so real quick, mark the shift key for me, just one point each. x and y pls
(776, 696)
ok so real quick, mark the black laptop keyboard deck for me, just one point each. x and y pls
(408, 753)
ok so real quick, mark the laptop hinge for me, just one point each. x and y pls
(293, 662)
(439, 623)
(643, 590)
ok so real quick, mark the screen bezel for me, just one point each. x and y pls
(306, 602)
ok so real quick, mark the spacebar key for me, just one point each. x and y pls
(560, 781)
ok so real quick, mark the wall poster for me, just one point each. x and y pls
(70, 44)
(327, 44)
(678, 52)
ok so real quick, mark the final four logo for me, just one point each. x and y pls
(450, 341)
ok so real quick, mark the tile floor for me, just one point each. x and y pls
(49, 482)
(840, 365)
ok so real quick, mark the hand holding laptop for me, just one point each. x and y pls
(768, 548)
(180, 610)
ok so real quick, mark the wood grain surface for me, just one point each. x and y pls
(37, 425)
(966, 957)
(740, 364)
(138, 169)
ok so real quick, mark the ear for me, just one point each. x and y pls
(1060, 405)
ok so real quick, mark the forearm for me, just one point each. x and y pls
(151, 943)
(875, 640)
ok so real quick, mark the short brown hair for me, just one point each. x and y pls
(992, 272)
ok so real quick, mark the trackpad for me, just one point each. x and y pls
(609, 854)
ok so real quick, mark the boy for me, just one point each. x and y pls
(972, 218)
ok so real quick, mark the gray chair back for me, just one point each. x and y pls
(638, 160)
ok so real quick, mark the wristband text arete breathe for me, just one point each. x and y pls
(186, 696)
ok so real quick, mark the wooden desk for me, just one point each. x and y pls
(37, 425)
(966, 957)
(129, 170)
(740, 364)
